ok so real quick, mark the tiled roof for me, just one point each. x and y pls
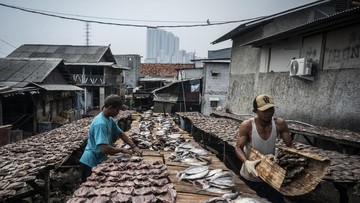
(157, 69)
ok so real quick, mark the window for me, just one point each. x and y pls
(214, 101)
(214, 73)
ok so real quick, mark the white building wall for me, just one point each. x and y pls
(214, 86)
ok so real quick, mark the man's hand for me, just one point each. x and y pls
(137, 151)
(270, 156)
(250, 167)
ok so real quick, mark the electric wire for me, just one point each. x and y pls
(125, 24)
(8, 43)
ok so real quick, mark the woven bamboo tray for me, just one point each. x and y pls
(274, 175)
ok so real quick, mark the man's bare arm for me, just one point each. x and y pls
(243, 136)
(285, 132)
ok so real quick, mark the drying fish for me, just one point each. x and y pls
(226, 198)
(195, 169)
(193, 162)
(294, 164)
(198, 151)
(189, 154)
(223, 180)
(144, 145)
(212, 173)
(217, 190)
(230, 196)
(193, 172)
(250, 200)
(194, 176)
(217, 200)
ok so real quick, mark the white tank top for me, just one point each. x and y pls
(263, 146)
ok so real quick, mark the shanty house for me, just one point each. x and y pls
(93, 68)
(179, 96)
(307, 58)
(152, 77)
(34, 91)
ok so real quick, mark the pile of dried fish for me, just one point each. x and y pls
(20, 162)
(189, 154)
(213, 181)
(127, 180)
(223, 128)
(164, 138)
(294, 164)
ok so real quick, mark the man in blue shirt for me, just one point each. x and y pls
(103, 132)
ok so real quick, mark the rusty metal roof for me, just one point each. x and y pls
(69, 53)
(19, 72)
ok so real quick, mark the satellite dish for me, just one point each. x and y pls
(294, 67)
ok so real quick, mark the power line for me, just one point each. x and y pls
(122, 24)
(119, 19)
(8, 43)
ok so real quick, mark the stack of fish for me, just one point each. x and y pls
(142, 135)
(213, 181)
(294, 164)
(165, 138)
(189, 154)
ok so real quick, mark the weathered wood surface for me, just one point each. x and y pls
(268, 171)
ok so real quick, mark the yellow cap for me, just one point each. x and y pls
(263, 102)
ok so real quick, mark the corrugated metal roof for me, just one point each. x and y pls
(249, 26)
(70, 53)
(341, 19)
(19, 72)
(108, 64)
(59, 87)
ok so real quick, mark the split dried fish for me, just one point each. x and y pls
(294, 165)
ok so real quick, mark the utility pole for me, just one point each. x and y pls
(87, 40)
(87, 34)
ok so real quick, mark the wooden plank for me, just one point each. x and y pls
(269, 172)
(154, 158)
(215, 162)
(148, 152)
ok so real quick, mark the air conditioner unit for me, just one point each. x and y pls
(301, 67)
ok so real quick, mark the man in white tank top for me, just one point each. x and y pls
(261, 132)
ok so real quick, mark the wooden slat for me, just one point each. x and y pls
(268, 171)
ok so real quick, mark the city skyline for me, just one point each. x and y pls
(163, 47)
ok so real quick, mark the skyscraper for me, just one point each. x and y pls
(162, 47)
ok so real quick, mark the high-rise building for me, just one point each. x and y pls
(162, 47)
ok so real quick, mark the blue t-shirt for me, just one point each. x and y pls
(102, 131)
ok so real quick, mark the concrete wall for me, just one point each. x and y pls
(331, 100)
(133, 62)
(190, 73)
(215, 86)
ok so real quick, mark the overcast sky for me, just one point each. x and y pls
(20, 27)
